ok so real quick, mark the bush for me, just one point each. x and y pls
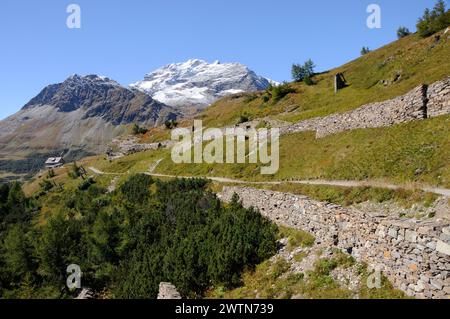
(84, 185)
(46, 185)
(249, 98)
(403, 32)
(279, 267)
(138, 130)
(171, 124)
(136, 188)
(77, 171)
(308, 80)
(434, 20)
(242, 119)
(280, 91)
(51, 173)
(324, 266)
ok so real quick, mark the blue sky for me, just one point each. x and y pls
(126, 39)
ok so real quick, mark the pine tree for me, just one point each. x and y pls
(434, 20)
(17, 254)
(297, 72)
(365, 50)
(309, 68)
(403, 32)
(300, 72)
(17, 204)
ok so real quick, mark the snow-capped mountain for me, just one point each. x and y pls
(197, 83)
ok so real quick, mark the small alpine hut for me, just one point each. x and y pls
(53, 162)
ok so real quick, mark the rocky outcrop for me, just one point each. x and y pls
(422, 102)
(85, 293)
(414, 255)
(168, 291)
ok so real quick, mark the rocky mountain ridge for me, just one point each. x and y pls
(85, 112)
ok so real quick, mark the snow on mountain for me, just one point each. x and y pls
(197, 83)
(86, 112)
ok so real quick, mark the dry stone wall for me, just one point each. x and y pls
(420, 103)
(439, 98)
(414, 255)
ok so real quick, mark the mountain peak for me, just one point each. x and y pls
(73, 92)
(198, 83)
(90, 79)
(90, 91)
(82, 112)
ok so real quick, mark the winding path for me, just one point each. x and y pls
(343, 183)
(99, 172)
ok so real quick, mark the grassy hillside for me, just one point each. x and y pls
(412, 60)
(415, 152)
(409, 153)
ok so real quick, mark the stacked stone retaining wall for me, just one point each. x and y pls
(420, 103)
(414, 255)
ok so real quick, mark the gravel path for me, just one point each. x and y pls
(436, 190)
